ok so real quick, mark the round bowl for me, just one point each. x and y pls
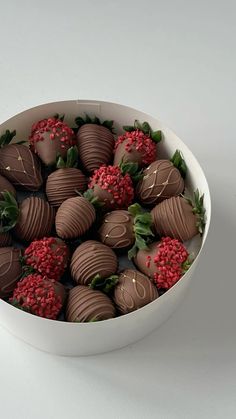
(74, 339)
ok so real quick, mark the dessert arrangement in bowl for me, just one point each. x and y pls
(101, 220)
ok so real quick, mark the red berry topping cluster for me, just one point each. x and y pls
(110, 178)
(171, 254)
(141, 142)
(57, 129)
(37, 295)
(47, 256)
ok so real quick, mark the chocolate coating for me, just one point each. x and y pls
(116, 230)
(5, 185)
(63, 184)
(161, 180)
(122, 155)
(133, 291)
(35, 220)
(21, 167)
(141, 259)
(5, 239)
(174, 218)
(95, 145)
(86, 305)
(48, 149)
(74, 217)
(92, 258)
(10, 270)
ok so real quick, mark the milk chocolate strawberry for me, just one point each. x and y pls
(74, 217)
(48, 256)
(165, 262)
(179, 217)
(66, 181)
(39, 295)
(18, 164)
(51, 137)
(162, 179)
(130, 229)
(137, 145)
(111, 187)
(95, 142)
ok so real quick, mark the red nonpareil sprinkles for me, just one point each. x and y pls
(48, 256)
(38, 296)
(140, 142)
(170, 257)
(57, 129)
(119, 186)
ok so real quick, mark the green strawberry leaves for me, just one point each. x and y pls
(95, 120)
(105, 285)
(198, 209)
(7, 137)
(9, 212)
(132, 169)
(156, 136)
(179, 162)
(71, 159)
(142, 229)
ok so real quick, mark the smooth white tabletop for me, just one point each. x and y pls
(175, 60)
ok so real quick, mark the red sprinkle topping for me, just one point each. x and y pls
(171, 254)
(38, 295)
(119, 186)
(141, 142)
(57, 130)
(48, 256)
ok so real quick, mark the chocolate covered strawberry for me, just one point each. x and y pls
(130, 229)
(111, 187)
(137, 145)
(18, 164)
(48, 256)
(165, 262)
(39, 295)
(95, 142)
(51, 137)
(74, 217)
(66, 181)
(162, 179)
(179, 217)
(32, 219)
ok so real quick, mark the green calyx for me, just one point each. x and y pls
(179, 162)
(89, 195)
(142, 229)
(156, 136)
(88, 120)
(9, 212)
(186, 265)
(132, 169)
(71, 159)
(7, 137)
(59, 117)
(198, 209)
(105, 285)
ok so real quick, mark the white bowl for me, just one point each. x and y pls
(75, 339)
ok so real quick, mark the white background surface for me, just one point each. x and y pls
(175, 60)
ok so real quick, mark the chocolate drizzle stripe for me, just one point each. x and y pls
(74, 217)
(63, 183)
